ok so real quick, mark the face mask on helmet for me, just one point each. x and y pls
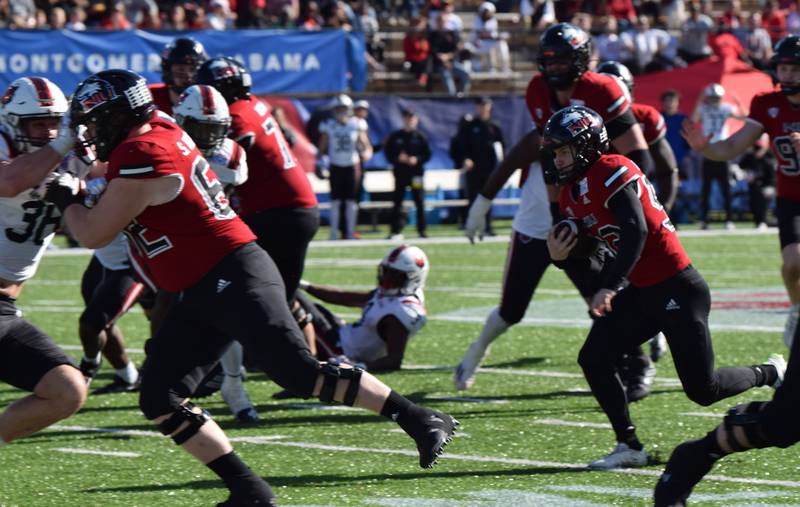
(786, 58)
(31, 111)
(391, 280)
(208, 135)
(180, 61)
(563, 57)
(575, 131)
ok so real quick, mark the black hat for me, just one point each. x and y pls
(484, 100)
(407, 112)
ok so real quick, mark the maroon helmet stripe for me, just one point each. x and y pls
(41, 89)
(208, 100)
(235, 156)
(396, 253)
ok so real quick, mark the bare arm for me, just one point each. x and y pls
(27, 171)
(123, 200)
(728, 149)
(630, 140)
(523, 154)
(395, 335)
(366, 146)
(339, 297)
(666, 172)
(323, 144)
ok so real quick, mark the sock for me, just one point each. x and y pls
(237, 475)
(631, 440)
(334, 217)
(713, 450)
(128, 373)
(232, 359)
(494, 326)
(350, 217)
(396, 407)
(766, 374)
(94, 360)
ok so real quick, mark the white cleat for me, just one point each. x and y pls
(658, 347)
(779, 363)
(791, 325)
(464, 376)
(621, 457)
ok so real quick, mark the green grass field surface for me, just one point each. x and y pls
(528, 426)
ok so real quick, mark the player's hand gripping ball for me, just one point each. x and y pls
(585, 245)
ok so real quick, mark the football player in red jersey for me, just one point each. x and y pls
(179, 63)
(185, 238)
(776, 113)
(563, 58)
(29, 360)
(650, 286)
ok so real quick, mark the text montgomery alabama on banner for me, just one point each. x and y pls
(280, 61)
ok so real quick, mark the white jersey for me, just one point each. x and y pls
(343, 140)
(715, 120)
(27, 226)
(533, 215)
(229, 163)
(360, 340)
(114, 256)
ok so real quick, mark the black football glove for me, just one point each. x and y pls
(63, 190)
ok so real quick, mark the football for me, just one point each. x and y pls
(585, 246)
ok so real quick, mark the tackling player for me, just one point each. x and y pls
(179, 63)
(185, 238)
(650, 286)
(777, 114)
(30, 112)
(563, 58)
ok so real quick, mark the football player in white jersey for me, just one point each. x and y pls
(31, 146)
(392, 313)
(203, 113)
(344, 146)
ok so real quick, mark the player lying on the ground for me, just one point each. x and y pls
(31, 111)
(610, 199)
(392, 313)
(753, 425)
(187, 240)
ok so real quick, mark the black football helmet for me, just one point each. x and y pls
(109, 104)
(229, 76)
(564, 43)
(183, 50)
(583, 131)
(787, 50)
(617, 69)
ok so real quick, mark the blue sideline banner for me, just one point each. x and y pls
(280, 61)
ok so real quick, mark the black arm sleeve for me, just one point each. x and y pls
(627, 210)
(620, 124)
(643, 159)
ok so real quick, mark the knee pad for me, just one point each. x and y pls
(742, 428)
(301, 316)
(184, 414)
(330, 377)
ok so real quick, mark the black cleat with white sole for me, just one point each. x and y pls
(432, 431)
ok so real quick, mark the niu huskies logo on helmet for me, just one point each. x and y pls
(93, 94)
(222, 69)
(577, 122)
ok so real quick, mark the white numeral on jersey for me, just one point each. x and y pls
(651, 191)
(271, 130)
(136, 234)
(787, 156)
(210, 188)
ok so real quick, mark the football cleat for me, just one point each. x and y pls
(791, 325)
(432, 431)
(621, 457)
(250, 493)
(639, 385)
(779, 363)
(658, 347)
(89, 370)
(118, 385)
(235, 396)
(686, 467)
(247, 416)
(464, 376)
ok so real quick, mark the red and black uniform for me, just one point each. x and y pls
(228, 287)
(779, 117)
(277, 200)
(615, 203)
(649, 118)
(160, 92)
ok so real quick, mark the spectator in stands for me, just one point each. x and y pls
(673, 118)
(366, 21)
(622, 10)
(774, 20)
(487, 41)
(23, 14)
(452, 21)
(416, 51)
(135, 10)
(196, 17)
(694, 35)
(759, 44)
(150, 21)
(733, 16)
(177, 19)
(57, 18)
(610, 45)
(793, 18)
(408, 150)
(649, 47)
(477, 148)
(310, 18)
(219, 17)
(77, 18)
(583, 21)
(726, 46)
(115, 19)
(41, 20)
(445, 48)
(671, 13)
(759, 164)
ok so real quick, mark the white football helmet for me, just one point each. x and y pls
(342, 106)
(403, 271)
(714, 91)
(30, 98)
(203, 113)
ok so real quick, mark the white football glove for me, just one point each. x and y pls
(476, 218)
(66, 138)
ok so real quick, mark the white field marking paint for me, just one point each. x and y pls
(703, 414)
(458, 457)
(258, 440)
(44, 281)
(466, 399)
(574, 424)
(648, 493)
(319, 406)
(458, 434)
(78, 347)
(116, 454)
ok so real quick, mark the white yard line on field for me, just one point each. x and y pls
(455, 457)
(573, 424)
(116, 454)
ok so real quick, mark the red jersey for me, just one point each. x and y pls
(780, 118)
(175, 244)
(651, 121)
(160, 92)
(275, 179)
(600, 92)
(587, 200)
